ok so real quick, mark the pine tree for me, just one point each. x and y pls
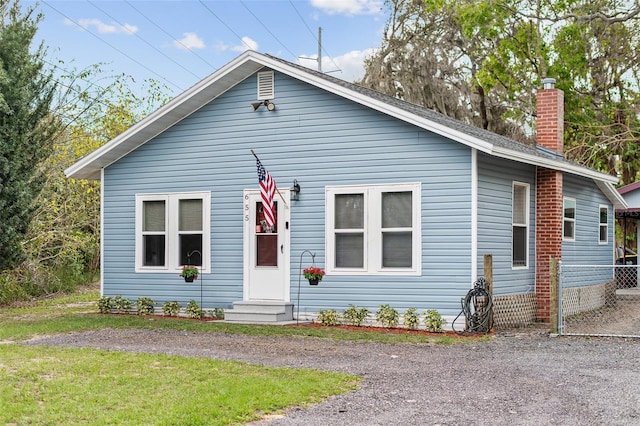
(27, 126)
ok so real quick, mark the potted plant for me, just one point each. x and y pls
(189, 273)
(313, 274)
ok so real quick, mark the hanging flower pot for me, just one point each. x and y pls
(189, 273)
(313, 274)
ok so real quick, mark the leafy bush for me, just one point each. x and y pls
(171, 308)
(121, 304)
(145, 305)
(217, 313)
(411, 318)
(105, 304)
(387, 316)
(193, 310)
(354, 315)
(328, 317)
(434, 321)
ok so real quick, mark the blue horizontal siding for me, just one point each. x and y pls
(495, 193)
(321, 140)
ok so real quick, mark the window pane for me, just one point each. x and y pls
(266, 250)
(519, 204)
(349, 211)
(569, 209)
(191, 249)
(603, 216)
(569, 227)
(603, 233)
(153, 250)
(519, 251)
(190, 215)
(349, 250)
(153, 216)
(396, 249)
(396, 209)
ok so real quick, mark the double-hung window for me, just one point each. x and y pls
(569, 219)
(520, 225)
(172, 230)
(374, 229)
(604, 225)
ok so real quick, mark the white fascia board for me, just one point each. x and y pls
(153, 123)
(553, 164)
(618, 201)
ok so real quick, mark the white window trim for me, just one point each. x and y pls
(574, 220)
(171, 230)
(372, 264)
(527, 188)
(606, 225)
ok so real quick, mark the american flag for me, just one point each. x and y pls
(267, 191)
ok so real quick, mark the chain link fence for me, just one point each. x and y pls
(599, 300)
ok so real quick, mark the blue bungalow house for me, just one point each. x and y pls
(399, 204)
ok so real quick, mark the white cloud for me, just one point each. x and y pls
(189, 41)
(351, 64)
(247, 44)
(104, 28)
(349, 7)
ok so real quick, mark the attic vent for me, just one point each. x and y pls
(265, 85)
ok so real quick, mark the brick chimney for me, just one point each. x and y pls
(550, 116)
(550, 128)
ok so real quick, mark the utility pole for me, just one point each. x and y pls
(320, 49)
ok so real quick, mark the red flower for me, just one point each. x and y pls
(313, 273)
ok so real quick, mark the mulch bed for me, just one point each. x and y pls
(394, 330)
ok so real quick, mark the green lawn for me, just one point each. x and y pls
(48, 385)
(64, 386)
(56, 386)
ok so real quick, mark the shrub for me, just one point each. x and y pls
(145, 305)
(354, 315)
(387, 316)
(121, 304)
(328, 317)
(218, 313)
(194, 310)
(105, 304)
(434, 321)
(411, 318)
(171, 308)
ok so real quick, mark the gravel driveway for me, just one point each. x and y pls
(514, 379)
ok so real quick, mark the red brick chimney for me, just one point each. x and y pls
(550, 116)
(550, 134)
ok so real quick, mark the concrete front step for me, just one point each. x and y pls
(259, 312)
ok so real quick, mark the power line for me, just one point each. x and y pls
(268, 30)
(170, 36)
(145, 41)
(314, 36)
(225, 24)
(113, 47)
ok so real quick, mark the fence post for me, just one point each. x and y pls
(553, 293)
(488, 277)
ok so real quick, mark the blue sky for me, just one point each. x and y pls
(181, 42)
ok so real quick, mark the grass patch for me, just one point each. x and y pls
(46, 385)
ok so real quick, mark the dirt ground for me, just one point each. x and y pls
(520, 377)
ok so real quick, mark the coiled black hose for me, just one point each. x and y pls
(477, 307)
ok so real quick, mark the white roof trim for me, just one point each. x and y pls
(248, 63)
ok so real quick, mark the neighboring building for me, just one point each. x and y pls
(398, 203)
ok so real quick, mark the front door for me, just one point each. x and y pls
(266, 250)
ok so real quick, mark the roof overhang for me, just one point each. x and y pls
(250, 62)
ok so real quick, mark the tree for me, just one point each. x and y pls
(27, 127)
(481, 61)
